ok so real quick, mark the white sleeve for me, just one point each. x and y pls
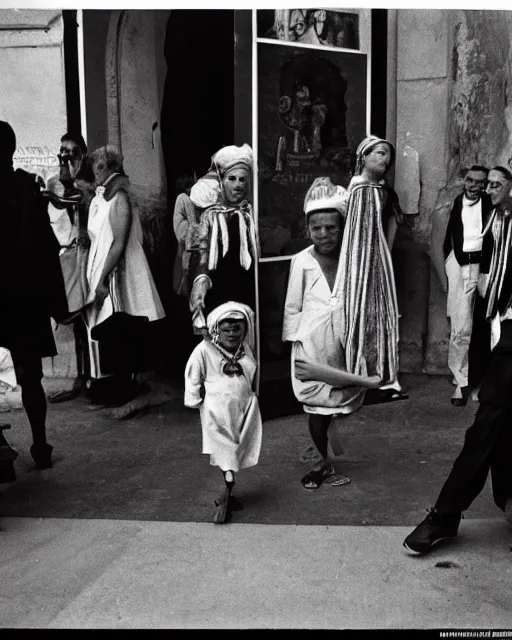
(195, 373)
(293, 302)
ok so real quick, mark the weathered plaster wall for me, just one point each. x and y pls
(453, 97)
(421, 112)
(479, 125)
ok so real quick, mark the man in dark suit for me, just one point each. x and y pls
(467, 255)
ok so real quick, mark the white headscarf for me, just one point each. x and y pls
(206, 192)
(323, 194)
(234, 311)
(232, 157)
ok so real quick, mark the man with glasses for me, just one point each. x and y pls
(466, 256)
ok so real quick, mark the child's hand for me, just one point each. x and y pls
(305, 371)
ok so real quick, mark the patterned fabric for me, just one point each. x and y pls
(499, 294)
(369, 309)
(213, 235)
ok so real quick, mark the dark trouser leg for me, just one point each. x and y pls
(470, 469)
(29, 373)
(318, 426)
(500, 464)
(479, 348)
(81, 350)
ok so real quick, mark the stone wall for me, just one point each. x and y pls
(453, 97)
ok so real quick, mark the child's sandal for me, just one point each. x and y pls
(314, 479)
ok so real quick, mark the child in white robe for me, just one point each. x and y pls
(312, 322)
(219, 380)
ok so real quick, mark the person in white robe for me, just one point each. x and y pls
(219, 381)
(312, 322)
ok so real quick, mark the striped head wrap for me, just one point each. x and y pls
(366, 146)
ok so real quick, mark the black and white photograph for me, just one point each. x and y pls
(256, 318)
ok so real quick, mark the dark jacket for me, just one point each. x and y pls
(32, 286)
(454, 238)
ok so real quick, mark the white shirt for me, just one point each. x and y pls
(472, 225)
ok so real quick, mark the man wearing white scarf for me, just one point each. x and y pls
(226, 235)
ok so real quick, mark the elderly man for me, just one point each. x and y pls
(31, 287)
(488, 441)
(70, 194)
(466, 255)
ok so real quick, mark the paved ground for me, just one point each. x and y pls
(120, 574)
(118, 534)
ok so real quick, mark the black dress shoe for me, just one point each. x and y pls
(461, 402)
(42, 455)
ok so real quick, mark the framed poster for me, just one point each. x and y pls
(312, 114)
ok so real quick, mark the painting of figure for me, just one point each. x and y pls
(311, 117)
(320, 27)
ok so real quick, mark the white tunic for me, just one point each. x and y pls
(311, 321)
(229, 410)
(137, 294)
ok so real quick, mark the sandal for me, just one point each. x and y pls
(337, 480)
(63, 396)
(314, 479)
(380, 396)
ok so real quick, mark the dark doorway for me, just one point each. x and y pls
(71, 71)
(197, 119)
(379, 72)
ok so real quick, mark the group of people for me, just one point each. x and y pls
(72, 250)
(332, 291)
(341, 316)
(341, 312)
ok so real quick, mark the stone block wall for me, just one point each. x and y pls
(453, 97)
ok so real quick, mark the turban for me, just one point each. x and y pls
(232, 157)
(323, 194)
(366, 146)
(232, 311)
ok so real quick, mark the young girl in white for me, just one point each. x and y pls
(219, 380)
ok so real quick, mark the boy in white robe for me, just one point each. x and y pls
(312, 321)
(219, 380)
